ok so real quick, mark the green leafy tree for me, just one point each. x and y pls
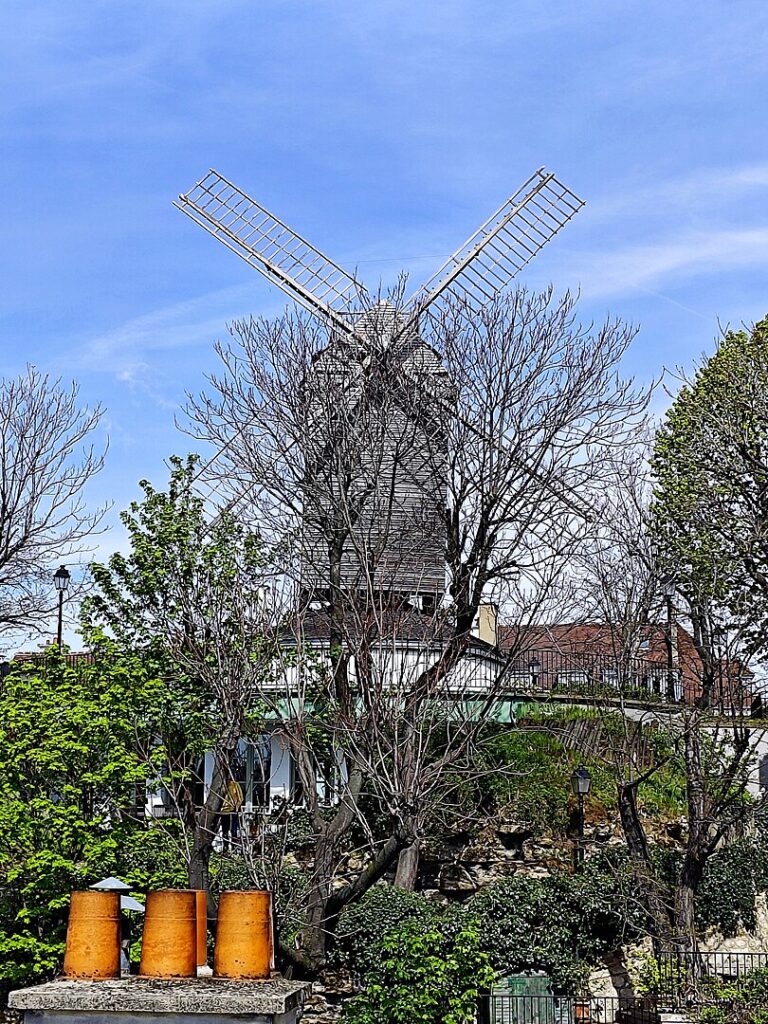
(188, 601)
(709, 520)
(70, 782)
(711, 496)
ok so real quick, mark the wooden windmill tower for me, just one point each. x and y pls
(394, 385)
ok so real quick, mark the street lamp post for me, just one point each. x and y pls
(581, 780)
(61, 580)
(668, 590)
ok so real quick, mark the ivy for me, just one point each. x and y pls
(733, 878)
(562, 925)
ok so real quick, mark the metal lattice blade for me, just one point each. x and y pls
(501, 247)
(271, 247)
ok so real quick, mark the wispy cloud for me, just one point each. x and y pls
(710, 190)
(124, 350)
(656, 236)
(613, 272)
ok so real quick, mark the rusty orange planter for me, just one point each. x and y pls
(201, 901)
(93, 935)
(169, 943)
(244, 944)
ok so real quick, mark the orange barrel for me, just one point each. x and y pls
(93, 935)
(202, 926)
(169, 943)
(244, 945)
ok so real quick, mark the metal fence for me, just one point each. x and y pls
(696, 977)
(505, 1008)
(596, 675)
(607, 677)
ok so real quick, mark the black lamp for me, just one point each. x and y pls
(581, 780)
(61, 579)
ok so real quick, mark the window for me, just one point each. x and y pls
(573, 678)
(611, 677)
(259, 770)
(655, 680)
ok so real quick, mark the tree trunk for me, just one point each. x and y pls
(688, 883)
(643, 866)
(314, 935)
(685, 918)
(408, 867)
(206, 826)
(326, 903)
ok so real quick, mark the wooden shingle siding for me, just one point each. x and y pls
(377, 465)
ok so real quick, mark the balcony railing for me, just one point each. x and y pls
(585, 674)
(595, 675)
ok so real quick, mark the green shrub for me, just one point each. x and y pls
(528, 773)
(562, 925)
(732, 879)
(425, 974)
(364, 925)
(713, 1015)
(745, 1004)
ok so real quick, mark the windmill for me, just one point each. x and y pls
(470, 279)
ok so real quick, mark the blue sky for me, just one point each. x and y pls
(385, 132)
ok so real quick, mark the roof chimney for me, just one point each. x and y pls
(487, 623)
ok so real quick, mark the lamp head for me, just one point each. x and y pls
(581, 780)
(61, 578)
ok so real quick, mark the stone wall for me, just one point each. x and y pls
(323, 1006)
(461, 864)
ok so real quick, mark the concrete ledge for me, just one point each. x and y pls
(198, 1000)
(104, 1017)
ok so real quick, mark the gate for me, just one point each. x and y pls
(508, 1007)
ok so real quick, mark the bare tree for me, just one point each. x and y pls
(713, 742)
(46, 460)
(402, 485)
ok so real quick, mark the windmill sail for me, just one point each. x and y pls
(271, 247)
(402, 518)
(501, 247)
